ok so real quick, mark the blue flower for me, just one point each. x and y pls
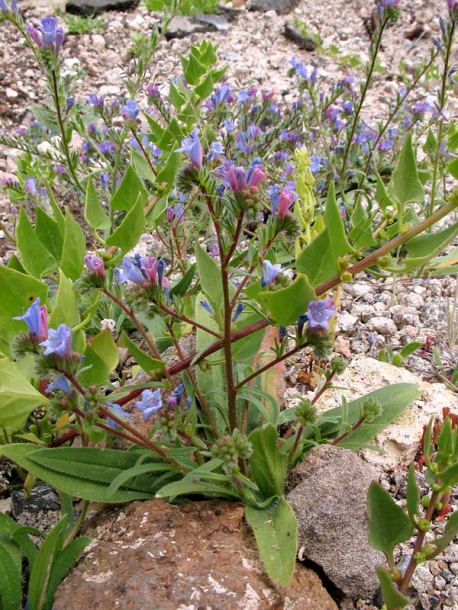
(59, 342)
(61, 383)
(193, 148)
(130, 111)
(119, 412)
(4, 5)
(207, 307)
(238, 310)
(36, 319)
(31, 186)
(319, 312)
(269, 273)
(130, 272)
(48, 34)
(150, 403)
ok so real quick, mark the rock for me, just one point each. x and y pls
(42, 498)
(358, 290)
(281, 7)
(303, 42)
(200, 555)
(400, 441)
(329, 497)
(382, 325)
(180, 27)
(346, 323)
(218, 23)
(93, 7)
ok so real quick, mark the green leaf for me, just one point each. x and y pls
(388, 523)
(41, 571)
(94, 214)
(453, 168)
(148, 363)
(74, 249)
(287, 304)
(64, 561)
(391, 596)
(168, 172)
(35, 257)
(275, 530)
(10, 575)
(59, 217)
(105, 347)
(451, 530)
(335, 226)
(268, 464)
(413, 493)
(210, 278)
(405, 186)
(135, 471)
(142, 166)
(18, 398)
(18, 292)
(130, 192)
(84, 472)
(410, 348)
(48, 232)
(129, 231)
(183, 285)
(361, 233)
(316, 260)
(191, 486)
(65, 310)
(393, 400)
(425, 246)
(381, 196)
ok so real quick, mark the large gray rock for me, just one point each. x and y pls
(93, 7)
(281, 7)
(328, 494)
(152, 555)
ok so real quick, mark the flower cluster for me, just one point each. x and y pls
(48, 34)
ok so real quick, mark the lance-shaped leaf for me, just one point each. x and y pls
(35, 257)
(391, 596)
(94, 214)
(287, 304)
(275, 530)
(48, 232)
(405, 186)
(129, 231)
(149, 364)
(268, 464)
(129, 192)
(388, 523)
(210, 278)
(74, 248)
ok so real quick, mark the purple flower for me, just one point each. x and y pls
(95, 264)
(319, 312)
(5, 7)
(95, 100)
(452, 5)
(193, 148)
(130, 111)
(269, 273)
(238, 179)
(36, 319)
(389, 3)
(48, 34)
(59, 342)
(150, 403)
(105, 147)
(152, 90)
(130, 272)
(31, 186)
(118, 411)
(61, 383)
(285, 199)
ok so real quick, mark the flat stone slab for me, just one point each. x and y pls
(93, 7)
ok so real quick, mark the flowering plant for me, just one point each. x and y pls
(251, 236)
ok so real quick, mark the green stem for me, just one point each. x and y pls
(367, 84)
(60, 120)
(141, 330)
(77, 525)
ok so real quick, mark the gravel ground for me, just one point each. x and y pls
(374, 313)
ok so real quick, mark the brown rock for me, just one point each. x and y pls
(152, 555)
(329, 498)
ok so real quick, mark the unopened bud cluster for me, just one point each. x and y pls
(230, 449)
